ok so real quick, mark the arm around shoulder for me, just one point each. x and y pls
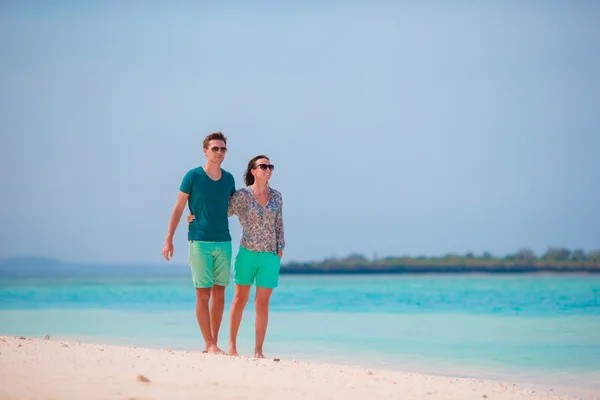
(236, 204)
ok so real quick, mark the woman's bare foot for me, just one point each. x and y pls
(258, 354)
(232, 350)
(213, 349)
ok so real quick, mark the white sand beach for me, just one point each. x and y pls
(32, 368)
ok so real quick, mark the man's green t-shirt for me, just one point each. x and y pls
(208, 202)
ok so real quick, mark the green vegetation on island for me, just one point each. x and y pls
(524, 260)
(555, 260)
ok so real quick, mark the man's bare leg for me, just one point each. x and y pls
(261, 305)
(203, 317)
(240, 297)
(217, 304)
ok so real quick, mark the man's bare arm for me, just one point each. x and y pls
(173, 222)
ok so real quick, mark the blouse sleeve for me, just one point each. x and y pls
(279, 225)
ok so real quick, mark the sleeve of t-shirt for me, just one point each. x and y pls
(186, 183)
(232, 186)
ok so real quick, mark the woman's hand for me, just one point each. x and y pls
(190, 218)
(280, 254)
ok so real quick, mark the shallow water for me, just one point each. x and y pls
(526, 328)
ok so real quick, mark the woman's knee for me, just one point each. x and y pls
(261, 301)
(240, 299)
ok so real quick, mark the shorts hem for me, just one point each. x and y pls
(201, 286)
(206, 286)
(267, 287)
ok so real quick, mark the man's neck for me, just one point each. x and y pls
(259, 187)
(211, 168)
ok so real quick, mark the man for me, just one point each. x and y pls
(207, 190)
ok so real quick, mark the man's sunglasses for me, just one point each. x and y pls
(265, 166)
(214, 149)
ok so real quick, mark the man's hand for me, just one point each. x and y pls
(167, 250)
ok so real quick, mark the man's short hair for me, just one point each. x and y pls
(213, 136)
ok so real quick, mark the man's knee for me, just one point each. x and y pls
(218, 292)
(203, 294)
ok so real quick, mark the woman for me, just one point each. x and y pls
(260, 211)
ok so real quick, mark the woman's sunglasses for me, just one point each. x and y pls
(265, 166)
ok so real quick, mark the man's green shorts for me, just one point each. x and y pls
(251, 265)
(210, 263)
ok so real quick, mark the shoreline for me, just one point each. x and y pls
(33, 368)
(183, 272)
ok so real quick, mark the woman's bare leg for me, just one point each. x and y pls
(240, 297)
(261, 305)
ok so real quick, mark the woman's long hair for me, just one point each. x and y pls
(248, 177)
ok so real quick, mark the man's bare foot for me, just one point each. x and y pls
(232, 351)
(213, 349)
(258, 354)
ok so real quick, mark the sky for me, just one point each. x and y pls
(396, 128)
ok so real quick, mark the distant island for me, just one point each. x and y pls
(554, 260)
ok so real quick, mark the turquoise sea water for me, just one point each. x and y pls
(530, 328)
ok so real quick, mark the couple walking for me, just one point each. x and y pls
(210, 192)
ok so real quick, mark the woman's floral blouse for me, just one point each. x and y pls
(262, 228)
